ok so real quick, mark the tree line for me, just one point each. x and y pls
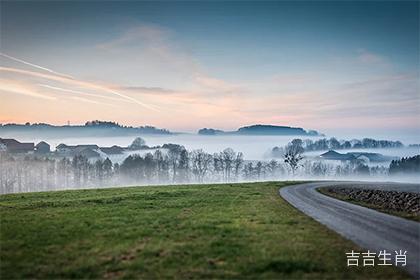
(172, 165)
(405, 165)
(324, 144)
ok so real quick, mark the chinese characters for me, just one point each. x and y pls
(382, 258)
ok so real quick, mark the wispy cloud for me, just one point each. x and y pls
(152, 48)
(91, 101)
(205, 82)
(367, 57)
(23, 89)
(358, 86)
(35, 65)
(79, 83)
(147, 90)
(147, 33)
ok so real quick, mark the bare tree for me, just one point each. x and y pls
(248, 171)
(228, 155)
(200, 163)
(174, 157)
(162, 166)
(149, 167)
(293, 154)
(259, 169)
(272, 167)
(237, 164)
(107, 169)
(137, 144)
(183, 166)
(217, 166)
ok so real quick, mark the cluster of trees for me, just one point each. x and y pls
(172, 164)
(111, 124)
(405, 165)
(26, 124)
(138, 144)
(333, 144)
(98, 123)
(178, 165)
(89, 128)
(31, 173)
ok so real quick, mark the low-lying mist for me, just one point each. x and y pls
(29, 173)
(252, 147)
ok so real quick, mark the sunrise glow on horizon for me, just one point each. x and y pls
(187, 65)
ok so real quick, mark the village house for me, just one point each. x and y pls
(89, 151)
(333, 155)
(114, 150)
(364, 157)
(63, 148)
(42, 147)
(14, 146)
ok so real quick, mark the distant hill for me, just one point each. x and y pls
(274, 130)
(210, 131)
(89, 129)
(260, 129)
(372, 157)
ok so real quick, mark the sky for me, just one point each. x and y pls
(333, 66)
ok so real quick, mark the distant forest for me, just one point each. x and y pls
(260, 129)
(110, 127)
(405, 165)
(90, 128)
(334, 144)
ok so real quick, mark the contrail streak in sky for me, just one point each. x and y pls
(130, 98)
(84, 93)
(66, 79)
(82, 99)
(34, 65)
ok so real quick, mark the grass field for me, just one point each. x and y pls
(198, 231)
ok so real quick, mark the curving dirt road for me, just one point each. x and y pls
(367, 228)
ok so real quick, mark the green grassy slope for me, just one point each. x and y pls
(211, 231)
